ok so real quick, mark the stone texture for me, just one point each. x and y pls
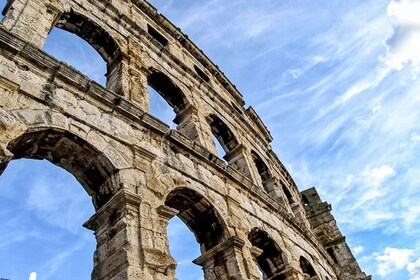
(138, 171)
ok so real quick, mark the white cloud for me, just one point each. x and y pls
(414, 269)
(358, 249)
(415, 137)
(393, 259)
(32, 276)
(376, 176)
(403, 46)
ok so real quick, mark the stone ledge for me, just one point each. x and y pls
(155, 124)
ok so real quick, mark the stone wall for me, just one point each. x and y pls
(139, 173)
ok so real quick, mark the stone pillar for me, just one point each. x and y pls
(224, 261)
(116, 226)
(155, 246)
(31, 20)
(116, 76)
(255, 272)
(271, 186)
(188, 122)
(138, 93)
(238, 160)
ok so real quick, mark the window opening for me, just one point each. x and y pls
(160, 109)
(156, 35)
(236, 108)
(75, 51)
(288, 195)
(42, 209)
(201, 74)
(305, 200)
(223, 135)
(199, 215)
(262, 169)
(219, 149)
(306, 267)
(330, 252)
(162, 85)
(184, 249)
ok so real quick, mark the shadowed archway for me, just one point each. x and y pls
(199, 215)
(90, 167)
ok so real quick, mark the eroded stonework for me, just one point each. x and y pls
(246, 214)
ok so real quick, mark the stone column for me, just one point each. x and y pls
(271, 186)
(128, 81)
(158, 263)
(255, 272)
(188, 122)
(224, 262)
(31, 20)
(116, 226)
(137, 88)
(238, 160)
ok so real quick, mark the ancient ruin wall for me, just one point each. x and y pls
(246, 212)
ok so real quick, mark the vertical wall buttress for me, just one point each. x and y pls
(329, 235)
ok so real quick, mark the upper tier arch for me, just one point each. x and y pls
(91, 32)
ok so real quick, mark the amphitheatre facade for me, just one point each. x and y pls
(246, 212)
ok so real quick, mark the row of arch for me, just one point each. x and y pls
(111, 52)
(222, 133)
(206, 224)
(92, 169)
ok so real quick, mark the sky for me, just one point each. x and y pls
(336, 83)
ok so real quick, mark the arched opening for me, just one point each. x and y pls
(262, 169)
(223, 134)
(271, 261)
(76, 52)
(307, 268)
(82, 56)
(184, 249)
(159, 108)
(160, 85)
(288, 195)
(91, 32)
(201, 218)
(90, 167)
(42, 209)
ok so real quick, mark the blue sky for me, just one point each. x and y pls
(336, 83)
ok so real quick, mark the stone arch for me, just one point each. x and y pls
(92, 169)
(288, 195)
(223, 133)
(271, 260)
(199, 215)
(163, 85)
(262, 169)
(307, 268)
(96, 35)
(91, 32)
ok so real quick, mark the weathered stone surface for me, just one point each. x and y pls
(245, 212)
